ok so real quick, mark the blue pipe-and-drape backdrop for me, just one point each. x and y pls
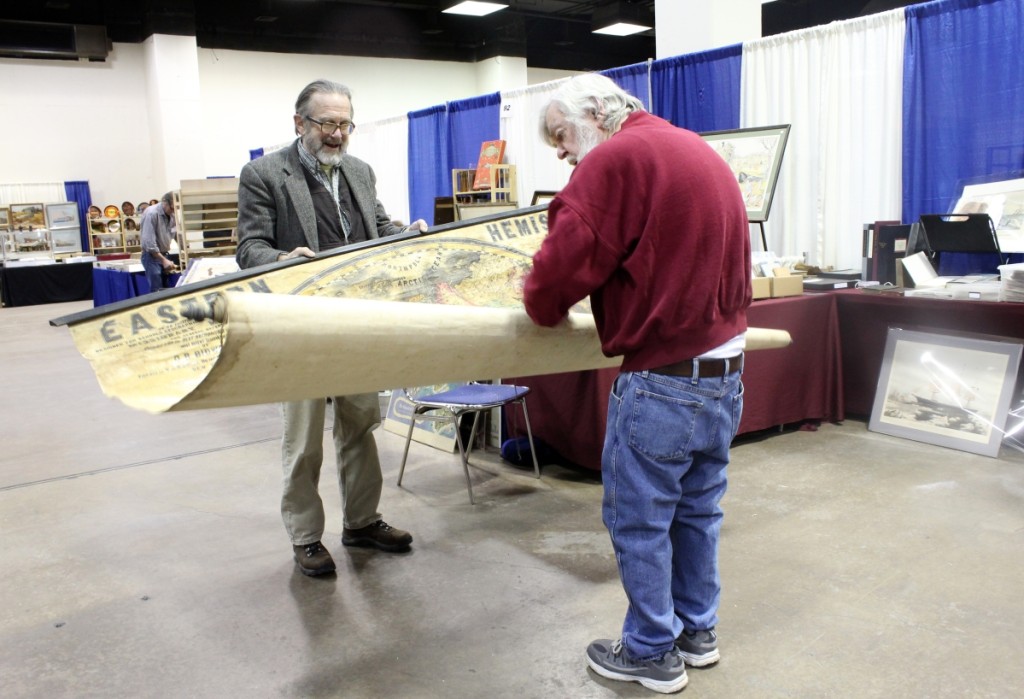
(699, 91)
(963, 106)
(78, 192)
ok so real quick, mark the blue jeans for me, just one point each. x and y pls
(665, 455)
(154, 271)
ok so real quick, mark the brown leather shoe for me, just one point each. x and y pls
(379, 535)
(313, 559)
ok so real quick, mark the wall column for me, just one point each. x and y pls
(690, 26)
(175, 113)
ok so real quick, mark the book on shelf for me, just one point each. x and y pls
(491, 153)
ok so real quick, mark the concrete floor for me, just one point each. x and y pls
(143, 556)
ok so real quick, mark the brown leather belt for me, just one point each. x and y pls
(706, 368)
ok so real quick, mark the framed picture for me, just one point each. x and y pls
(5, 218)
(66, 240)
(28, 215)
(1003, 200)
(63, 215)
(946, 390)
(440, 435)
(542, 197)
(755, 156)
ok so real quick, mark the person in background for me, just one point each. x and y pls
(155, 237)
(652, 226)
(309, 197)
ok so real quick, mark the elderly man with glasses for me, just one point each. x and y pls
(303, 199)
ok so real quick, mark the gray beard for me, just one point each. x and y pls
(330, 159)
(588, 138)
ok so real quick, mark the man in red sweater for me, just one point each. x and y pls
(653, 227)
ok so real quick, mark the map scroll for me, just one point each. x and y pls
(402, 311)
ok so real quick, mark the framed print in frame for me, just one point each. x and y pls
(542, 197)
(25, 215)
(755, 157)
(5, 218)
(63, 215)
(947, 390)
(440, 434)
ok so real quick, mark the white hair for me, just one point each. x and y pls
(590, 95)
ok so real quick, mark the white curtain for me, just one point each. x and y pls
(36, 193)
(384, 145)
(537, 168)
(841, 88)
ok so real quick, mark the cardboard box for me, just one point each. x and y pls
(762, 287)
(787, 286)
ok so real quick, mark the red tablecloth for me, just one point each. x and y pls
(782, 386)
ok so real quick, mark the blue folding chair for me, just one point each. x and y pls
(450, 406)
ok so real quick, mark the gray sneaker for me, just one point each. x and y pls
(609, 659)
(699, 648)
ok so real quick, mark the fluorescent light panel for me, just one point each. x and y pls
(621, 29)
(474, 8)
(617, 18)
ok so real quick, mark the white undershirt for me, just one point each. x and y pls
(731, 348)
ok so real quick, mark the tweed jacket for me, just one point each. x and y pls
(275, 209)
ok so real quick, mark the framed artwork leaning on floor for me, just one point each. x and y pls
(948, 390)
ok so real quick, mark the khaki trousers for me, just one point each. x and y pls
(359, 476)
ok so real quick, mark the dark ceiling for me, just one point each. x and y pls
(548, 33)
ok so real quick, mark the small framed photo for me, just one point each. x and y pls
(946, 390)
(28, 215)
(755, 157)
(542, 197)
(5, 218)
(66, 240)
(63, 215)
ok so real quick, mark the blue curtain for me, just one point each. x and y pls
(78, 192)
(429, 164)
(634, 79)
(699, 91)
(470, 123)
(963, 104)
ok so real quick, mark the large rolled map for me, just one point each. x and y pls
(403, 311)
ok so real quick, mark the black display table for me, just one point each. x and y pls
(53, 283)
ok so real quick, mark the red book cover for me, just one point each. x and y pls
(491, 153)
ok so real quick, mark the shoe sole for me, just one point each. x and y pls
(371, 544)
(709, 658)
(313, 572)
(662, 687)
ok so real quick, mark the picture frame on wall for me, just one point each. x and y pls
(5, 218)
(25, 215)
(949, 390)
(62, 215)
(755, 157)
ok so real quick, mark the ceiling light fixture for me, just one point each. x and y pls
(621, 19)
(474, 8)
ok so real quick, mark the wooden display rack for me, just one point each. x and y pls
(206, 214)
(501, 196)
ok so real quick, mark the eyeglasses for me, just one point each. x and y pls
(329, 127)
